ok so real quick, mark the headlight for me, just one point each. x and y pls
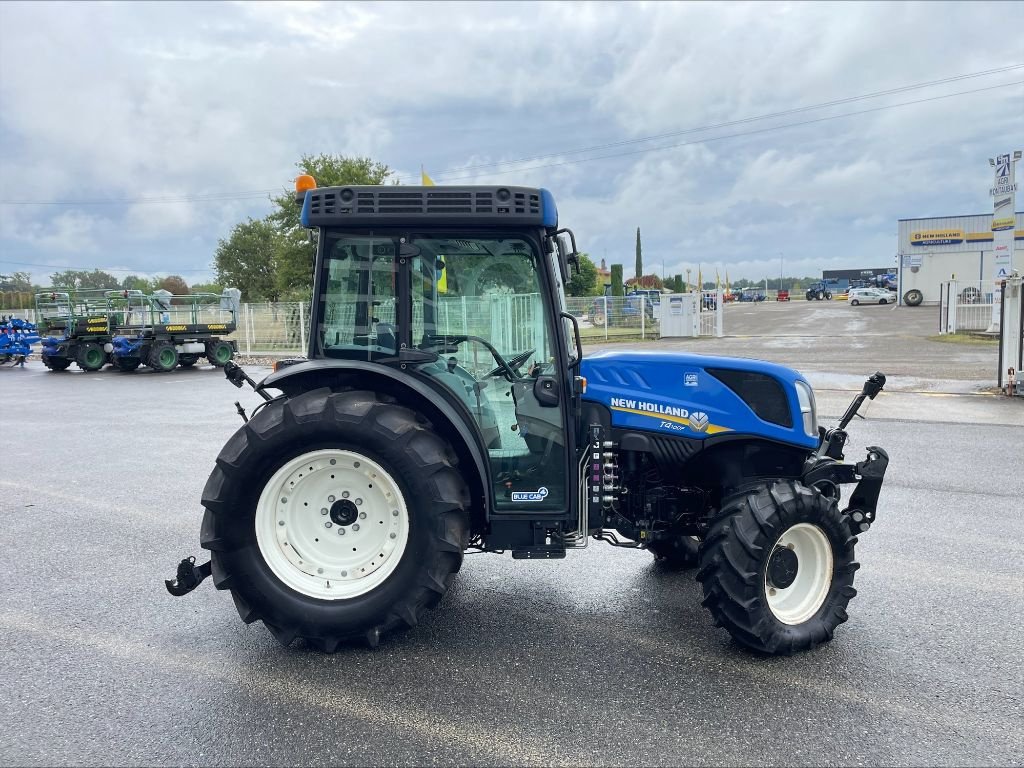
(808, 409)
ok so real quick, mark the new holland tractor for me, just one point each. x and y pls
(445, 406)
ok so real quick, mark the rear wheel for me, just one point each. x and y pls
(854, 302)
(677, 553)
(219, 352)
(162, 357)
(90, 356)
(777, 568)
(913, 297)
(334, 517)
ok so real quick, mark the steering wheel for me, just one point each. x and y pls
(510, 368)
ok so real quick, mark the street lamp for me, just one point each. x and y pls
(689, 288)
(780, 271)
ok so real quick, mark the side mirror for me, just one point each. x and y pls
(572, 255)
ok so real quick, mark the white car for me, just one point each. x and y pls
(870, 296)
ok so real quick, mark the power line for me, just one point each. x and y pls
(710, 139)
(699, 129)
(252, 194)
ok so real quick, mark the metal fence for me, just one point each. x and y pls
(965, 305)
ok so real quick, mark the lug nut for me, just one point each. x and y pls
(330, 498)
(394, 513)
(280, 522)
(362, 515)
(394, 535)
(359, 502)
(341, 531)
(328, 524)
(355, 526)
(344, 494)
(323, 510)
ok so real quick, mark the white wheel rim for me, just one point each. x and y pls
(300, 541)
(800, 600)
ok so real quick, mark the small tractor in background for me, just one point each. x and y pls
(782, 295)
(445, 407)
(16, 339)
(820, 291)
(163, 331)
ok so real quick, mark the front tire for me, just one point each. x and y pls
(267, 530)
(777, 568)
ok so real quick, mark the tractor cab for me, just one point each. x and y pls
(455, 296)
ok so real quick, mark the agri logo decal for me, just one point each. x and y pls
(1003, 165)
(698, 421)
(539, 495)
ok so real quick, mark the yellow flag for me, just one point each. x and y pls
(718, 280)
(427, 181)
(442, 274)
(700, 280)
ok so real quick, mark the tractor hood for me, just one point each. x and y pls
(700, 396)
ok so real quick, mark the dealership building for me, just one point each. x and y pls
(932, 251)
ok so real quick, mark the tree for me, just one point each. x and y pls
(83, 280)
(647, 282)
(617, 280)
(295, 251)
(639, 255)
(136, 283)
(174, 284)
(248, 260)
(680, 285)
(584, 282)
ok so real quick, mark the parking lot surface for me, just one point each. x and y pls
(603, 658)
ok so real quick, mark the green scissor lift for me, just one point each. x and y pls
(75, 327)
(162, 331)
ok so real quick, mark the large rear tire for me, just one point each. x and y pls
(913, 297)
(383, 475)
(777, 568)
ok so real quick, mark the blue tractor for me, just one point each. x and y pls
(445, 406)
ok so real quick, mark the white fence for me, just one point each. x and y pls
(965, 305)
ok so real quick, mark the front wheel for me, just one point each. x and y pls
(854, 302)
(56, 363)
(334, 517)
(777, 568)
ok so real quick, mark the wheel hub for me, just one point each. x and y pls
(782, 568)
(344, 512)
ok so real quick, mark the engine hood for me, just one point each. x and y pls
(697, 396)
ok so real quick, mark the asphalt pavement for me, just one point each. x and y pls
(603, 658)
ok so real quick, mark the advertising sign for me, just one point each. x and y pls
(1003, 192)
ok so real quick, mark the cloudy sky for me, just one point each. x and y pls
(133, 136)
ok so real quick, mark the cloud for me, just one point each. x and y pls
(127, 102)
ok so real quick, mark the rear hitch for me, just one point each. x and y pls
(189, 576)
